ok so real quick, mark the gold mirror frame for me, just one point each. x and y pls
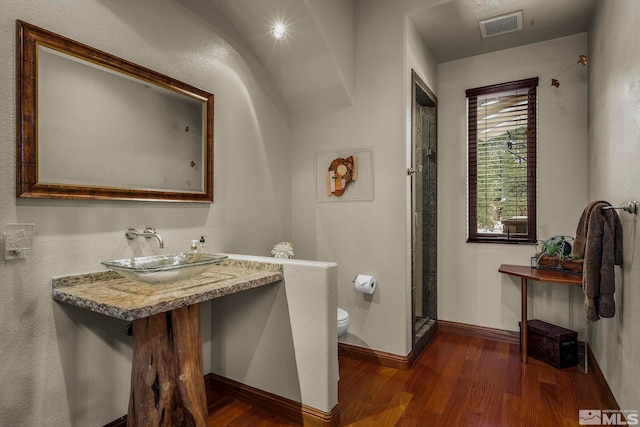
(28, 38)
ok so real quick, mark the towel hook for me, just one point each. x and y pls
(631, 207)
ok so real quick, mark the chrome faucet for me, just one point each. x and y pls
(148, 232)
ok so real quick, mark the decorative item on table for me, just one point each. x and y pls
(555, 254)
(282, 250)
(340, 174)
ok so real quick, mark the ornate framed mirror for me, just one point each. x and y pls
(94, 126)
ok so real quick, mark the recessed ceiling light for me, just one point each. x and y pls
(279, 31)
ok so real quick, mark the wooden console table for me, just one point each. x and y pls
(527, 273)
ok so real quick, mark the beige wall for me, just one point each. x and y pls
(614, 151)
(418, 58)
(367, 237)
(470, 289)
(65, 366)
(282, 338)
(335, 20)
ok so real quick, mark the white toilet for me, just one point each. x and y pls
(343, 322)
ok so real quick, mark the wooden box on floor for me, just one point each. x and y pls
(551, 344)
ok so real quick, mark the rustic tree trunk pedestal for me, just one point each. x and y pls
(167, 384)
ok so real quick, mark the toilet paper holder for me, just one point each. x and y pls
(364, 284)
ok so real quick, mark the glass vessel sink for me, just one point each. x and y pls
(163, 269)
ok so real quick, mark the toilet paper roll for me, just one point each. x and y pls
(365, 284)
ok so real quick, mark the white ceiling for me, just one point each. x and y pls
(307, 65)
(313, 65)
(451, 30)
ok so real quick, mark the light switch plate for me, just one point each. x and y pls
(17, 240)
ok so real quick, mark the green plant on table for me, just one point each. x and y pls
(556, 246)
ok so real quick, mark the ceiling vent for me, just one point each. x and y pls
(502, 24)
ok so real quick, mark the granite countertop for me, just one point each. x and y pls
(107, 292)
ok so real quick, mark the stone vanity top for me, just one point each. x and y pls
(107, 292)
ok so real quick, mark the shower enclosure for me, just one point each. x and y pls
(424, 208)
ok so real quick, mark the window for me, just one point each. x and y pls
(502, 162)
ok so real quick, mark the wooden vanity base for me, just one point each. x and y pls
(167, 386)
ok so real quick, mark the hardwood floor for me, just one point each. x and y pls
(458, 380)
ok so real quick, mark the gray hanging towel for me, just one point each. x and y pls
(599, 242)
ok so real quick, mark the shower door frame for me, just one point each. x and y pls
(421, 96)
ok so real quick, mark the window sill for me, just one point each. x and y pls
(503, 240)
